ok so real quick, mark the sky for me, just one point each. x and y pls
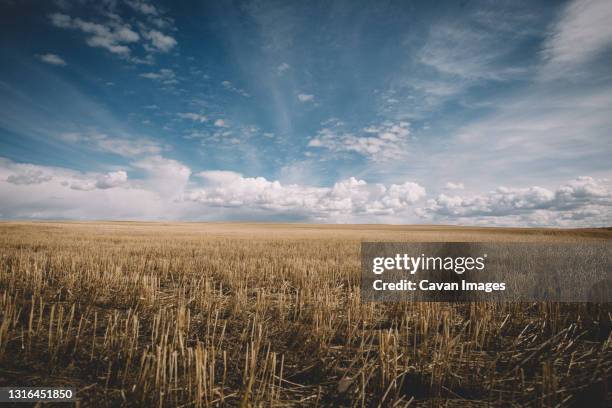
(402, 112)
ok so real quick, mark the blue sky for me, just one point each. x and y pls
(460, 112)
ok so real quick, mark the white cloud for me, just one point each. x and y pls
(126, 147)
(28, 190)
(52, 59)
(167, 176)
(219, 177)
(220, 123)
(585, 199)
(23, 174)
(161, 42)
(400, 195)
(117, 145)
(282, 68)
(166, 191)
(454, 186)
(142, 6)
(467, 52)
(582, 32)
(196, 117)
(112, 179)
(113, 37)
(537, 132)
(61, 20)
(65, 193)
(230, 87)
(102, 181)
(27, 174)
(112, 33)
(384, 141)
(302, 97)
(164, 75)
(347, 198)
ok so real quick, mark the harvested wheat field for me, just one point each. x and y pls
(192, 314)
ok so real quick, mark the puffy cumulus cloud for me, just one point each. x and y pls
(581, 190)
(26, 174)
(401, 195)
(166, 176)
(112, 179)
(113, 36)
(382, 142)
(52, 59)
(166, 190)
(117, 145)
(102, 181)
(29, 176)
(346, 199)
(32, 191)
(584, 199)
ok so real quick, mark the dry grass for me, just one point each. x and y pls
(270, 315)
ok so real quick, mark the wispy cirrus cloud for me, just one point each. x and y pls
(445, 107)
(581, 33)
(52, 59)
(558, 119)
(230, 87)
(127, 147)
(466, 52)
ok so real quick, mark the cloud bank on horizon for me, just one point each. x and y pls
(474, 113)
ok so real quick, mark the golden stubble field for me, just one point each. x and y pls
(192, 314)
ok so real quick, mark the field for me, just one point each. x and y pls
(190, 314)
